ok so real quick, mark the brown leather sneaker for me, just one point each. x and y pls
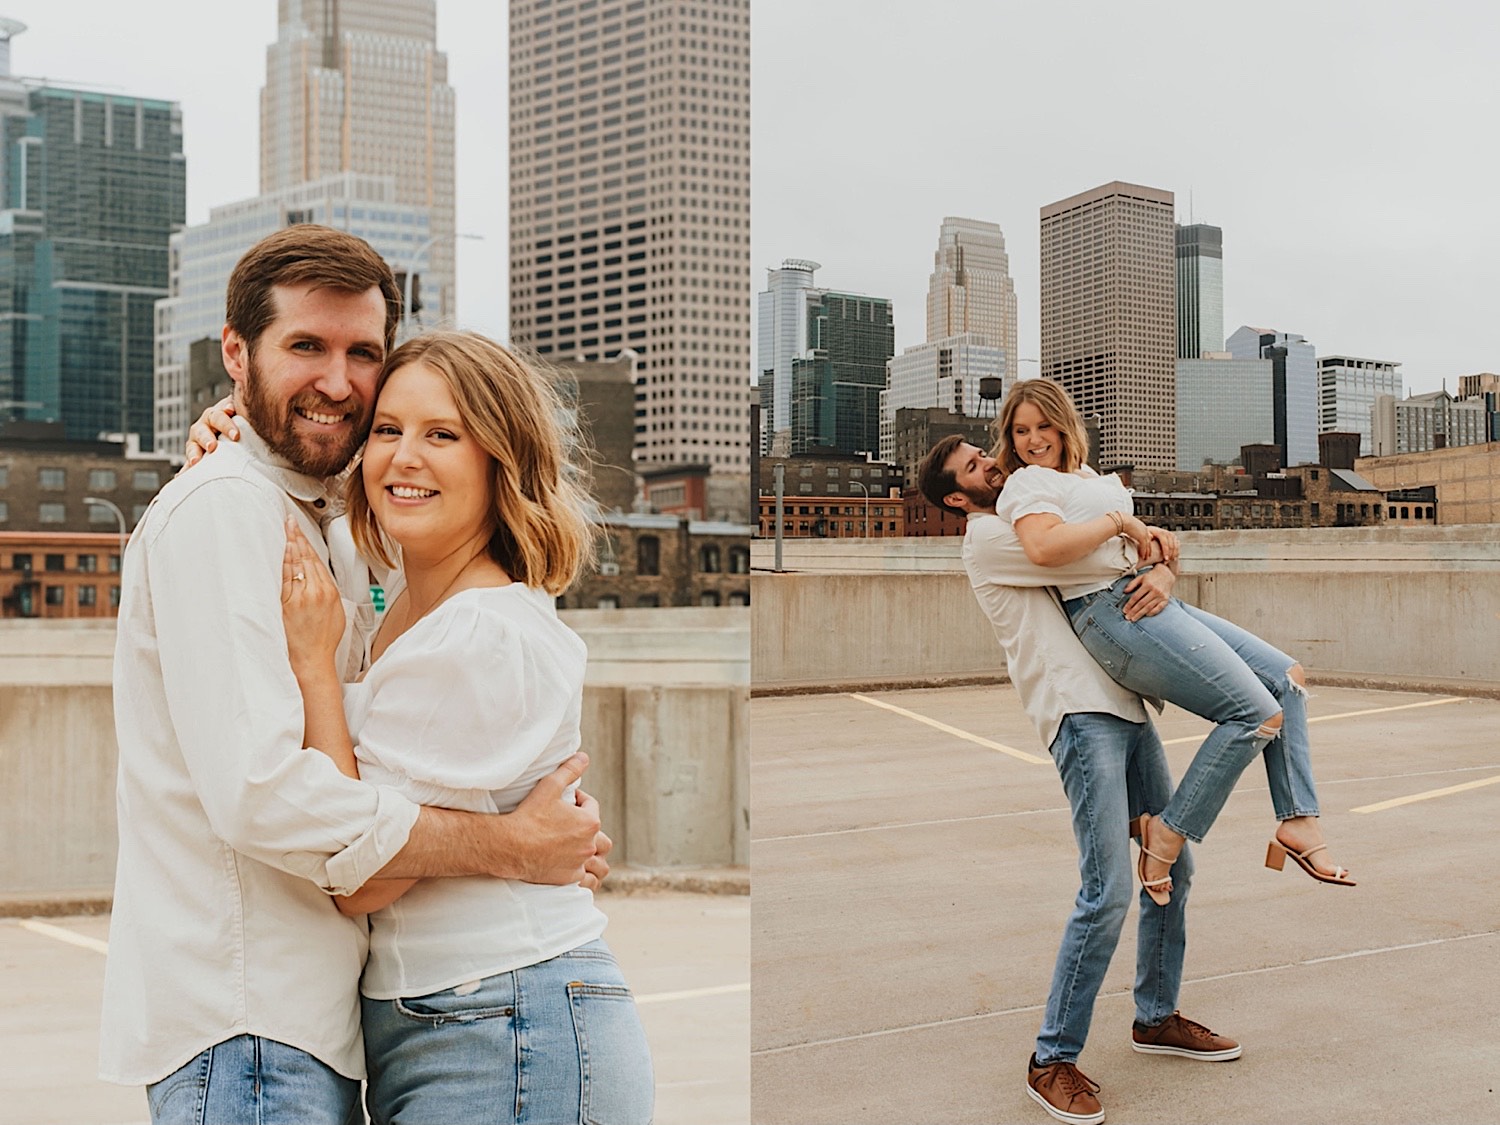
(1064, 1091)
(1178, 1035)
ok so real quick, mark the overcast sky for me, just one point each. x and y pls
(210, 56)
(1348, 151)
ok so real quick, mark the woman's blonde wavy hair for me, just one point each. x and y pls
(1057, 408)
(542, 536)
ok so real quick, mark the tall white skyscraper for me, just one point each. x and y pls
(630, 207)
(1348, 388)
(781, 338)
(970, 290)
(360, 86)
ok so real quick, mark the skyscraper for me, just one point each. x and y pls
(970, 290)
(1222, 404)
(1294, 387)
(946, 373)
(630, 206)
(1200, 290)
(1347, 390)
(782, 329)
(94, 185)
(360, 86)
(1108, 317)
(837, 382)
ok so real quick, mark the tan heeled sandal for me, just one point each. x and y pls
(1277, 854)
(1159, 890)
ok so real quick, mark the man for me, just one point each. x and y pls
(1112, 767)
(231, 989)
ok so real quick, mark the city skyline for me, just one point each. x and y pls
(1336, 198)
(211, 60)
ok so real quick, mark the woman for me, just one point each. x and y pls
(483, 999)
(1062, 511)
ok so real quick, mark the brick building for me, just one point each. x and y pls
(833, 517)
(663, 560)
(59, 574)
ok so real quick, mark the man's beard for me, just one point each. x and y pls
(982, 496)
(317, 455)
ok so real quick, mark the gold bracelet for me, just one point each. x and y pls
(1119, 523)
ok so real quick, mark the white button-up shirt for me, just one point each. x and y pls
(231, 834)
(1053, 673)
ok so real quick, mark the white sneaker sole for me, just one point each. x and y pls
(1183, 1052)
(1071, 1118)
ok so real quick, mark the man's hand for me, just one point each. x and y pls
(553, 840)
(1150, 593)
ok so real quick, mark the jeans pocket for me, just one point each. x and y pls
(618, 1086)
(494, 999)
(1107, 652)
(178, 1098)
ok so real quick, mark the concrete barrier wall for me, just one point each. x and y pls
(663, 722)
(1413, 607)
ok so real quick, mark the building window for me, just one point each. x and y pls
(52, 478)
(4, 511)
(708, 597)
(114, 564)
(648, 601)
(52, 513)
(1392, 514)
(146, 480)
(98, 513)
(739, 560)
(739, 597)
(648, 555)
(55, 562)
(608, 601)
(88, 563)
(55, 595)
(23, 562)
(102, 480)
(708, 559)
(114, 597)
(88, 595)
(4, 476)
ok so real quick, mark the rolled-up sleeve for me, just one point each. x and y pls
(234, 705)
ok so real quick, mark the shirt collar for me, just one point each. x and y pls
(325, 494)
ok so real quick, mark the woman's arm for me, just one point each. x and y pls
(1048, 541)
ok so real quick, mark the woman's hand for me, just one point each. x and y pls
(311, 607)
(1137, 532)
(203, 435)
(1167, 542)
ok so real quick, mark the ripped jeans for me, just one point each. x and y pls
(1220, 672)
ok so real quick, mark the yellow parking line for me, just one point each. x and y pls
(60, 934)
(946, 729)
(1343, 715)
(1427, 796)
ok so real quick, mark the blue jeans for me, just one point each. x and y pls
(1111, 771)
(1219, 672)
(555, 1043)
(249, 1080)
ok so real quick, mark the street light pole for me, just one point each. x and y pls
(861, 485)
(411, 269)
(119, 519)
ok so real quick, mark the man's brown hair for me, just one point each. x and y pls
(934, 477)
(305, 254)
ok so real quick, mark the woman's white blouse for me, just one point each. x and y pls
(468, 709)
(1075, 497)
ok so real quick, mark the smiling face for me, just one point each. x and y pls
(307, 384)
(1034, 437)
(976, 477)
(428, 480)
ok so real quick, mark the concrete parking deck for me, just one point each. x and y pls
(686, 957)
(914, 867)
